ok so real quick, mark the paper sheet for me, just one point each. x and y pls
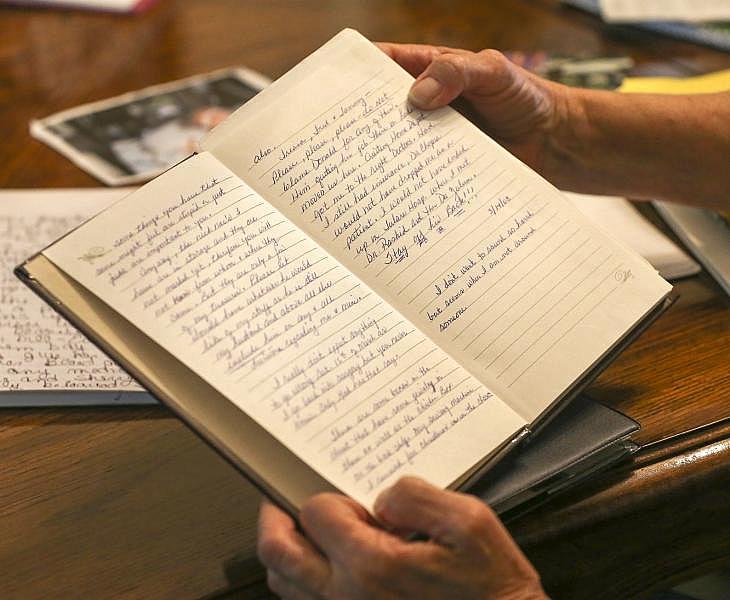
(700, 84)
(628, 11)
(39, 350)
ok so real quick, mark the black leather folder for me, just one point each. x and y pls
(583, 439)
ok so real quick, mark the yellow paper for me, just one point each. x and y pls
(701, 84)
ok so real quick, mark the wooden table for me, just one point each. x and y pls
(126, 502)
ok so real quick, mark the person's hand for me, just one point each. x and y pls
(342, 553)
(518, 109)
(642, 146)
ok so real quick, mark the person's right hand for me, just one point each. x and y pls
(340, 552)
(518, 109)
(641, 146)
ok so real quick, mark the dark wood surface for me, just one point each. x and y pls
(126, 502)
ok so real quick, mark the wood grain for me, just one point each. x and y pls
(128, 503)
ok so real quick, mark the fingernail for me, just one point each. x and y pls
(424, 92)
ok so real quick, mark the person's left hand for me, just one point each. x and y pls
(469, 553)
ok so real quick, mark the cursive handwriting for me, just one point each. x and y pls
(39, 350)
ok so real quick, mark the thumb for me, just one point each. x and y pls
(451, 519)
(452, 74)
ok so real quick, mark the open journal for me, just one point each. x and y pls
(339, 290)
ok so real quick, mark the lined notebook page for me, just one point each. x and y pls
(217, 276)
(39, 350)
(483, 255)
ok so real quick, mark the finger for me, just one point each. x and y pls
(449, 518)
(414, 58)
(450, 75)
(338, 525)
(283, 549)
(286, 589)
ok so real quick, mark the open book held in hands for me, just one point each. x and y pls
(339, 290)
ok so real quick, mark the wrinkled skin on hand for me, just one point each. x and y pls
(513, 106)
(341, 552)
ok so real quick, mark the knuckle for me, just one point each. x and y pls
(494, 56)
(476, 518)
(474, 69)
(451, 65)
(494, 65)
(448, 67)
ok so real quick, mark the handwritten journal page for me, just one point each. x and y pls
(39, 350)
(218, 277)
(474, 248)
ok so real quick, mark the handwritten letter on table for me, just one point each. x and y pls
(39, 350)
